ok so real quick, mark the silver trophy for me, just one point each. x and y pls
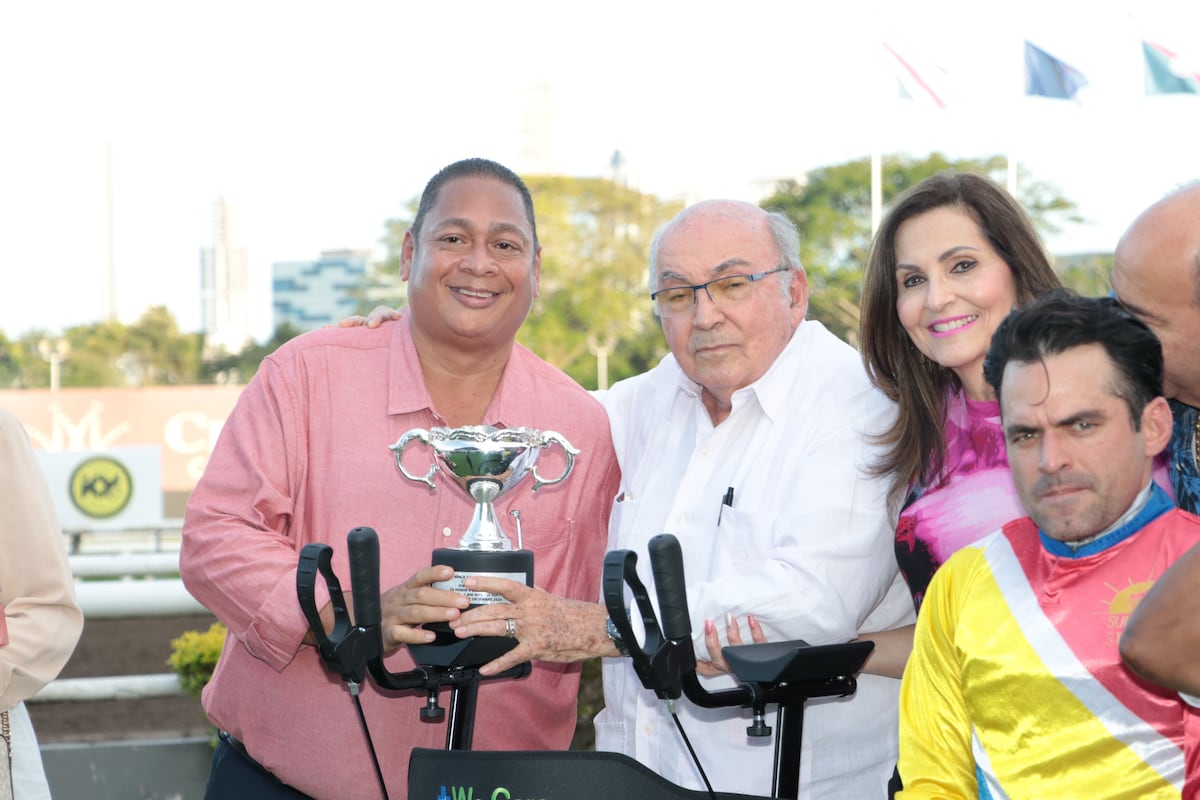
(485, 462)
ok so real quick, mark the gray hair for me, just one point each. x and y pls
(783, 234)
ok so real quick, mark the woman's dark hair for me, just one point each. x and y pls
(915, 447)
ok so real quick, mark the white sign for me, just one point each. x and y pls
(118, 487)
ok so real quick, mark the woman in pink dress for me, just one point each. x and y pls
(951, 259)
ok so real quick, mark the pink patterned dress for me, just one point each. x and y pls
(974, 497)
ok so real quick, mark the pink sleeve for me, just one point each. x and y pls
(241, 538)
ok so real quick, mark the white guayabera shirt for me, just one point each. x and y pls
(806, 547)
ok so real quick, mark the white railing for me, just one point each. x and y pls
(146, 584)
(118, 687)
(123, 573)
(125, 565)
(163, 537)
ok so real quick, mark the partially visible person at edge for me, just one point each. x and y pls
(954, 255)
(1015, 687)
(40, 622)
(1156, 276)
(755, 399)
(304, 458)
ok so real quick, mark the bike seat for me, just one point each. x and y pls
(795, 660)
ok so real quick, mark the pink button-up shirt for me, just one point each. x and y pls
(304, 458)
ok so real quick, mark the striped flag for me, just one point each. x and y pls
(1167, 73)
(921, 83)
(1047, 76)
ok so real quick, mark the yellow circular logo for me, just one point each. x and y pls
(101, 487)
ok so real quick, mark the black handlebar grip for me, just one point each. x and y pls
(362, 546)
(666, 564)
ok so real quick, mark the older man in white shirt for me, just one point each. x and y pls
(749, 443)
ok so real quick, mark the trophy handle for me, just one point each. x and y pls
(421, 435)
(549, 438)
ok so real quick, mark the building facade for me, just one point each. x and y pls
(225, 286)
(311, 294)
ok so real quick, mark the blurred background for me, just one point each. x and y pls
(184, 186)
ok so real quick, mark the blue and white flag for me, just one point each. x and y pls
(1047, 76)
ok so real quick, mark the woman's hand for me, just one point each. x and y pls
(715, 664)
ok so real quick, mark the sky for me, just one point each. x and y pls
(316, 122)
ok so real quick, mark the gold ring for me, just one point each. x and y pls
(510, 627)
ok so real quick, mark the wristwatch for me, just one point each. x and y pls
(610, 628)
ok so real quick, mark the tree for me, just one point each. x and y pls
(151, 352)
(11, 358)
(594, 303)
(158, 353)
(832, 208)
(1087, 274)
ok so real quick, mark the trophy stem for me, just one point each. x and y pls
(484, 532)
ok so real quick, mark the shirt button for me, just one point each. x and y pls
(446, 531)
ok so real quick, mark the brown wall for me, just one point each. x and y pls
(183, 420)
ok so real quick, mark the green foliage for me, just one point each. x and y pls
(591, 701)
(1087, 274)
(593, 305)
(151, 352)
(194, 657)
(383, 285)
(11, 358)
(832, 209)
(592, 319)
(225, 368)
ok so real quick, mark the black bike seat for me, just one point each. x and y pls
(795, 660)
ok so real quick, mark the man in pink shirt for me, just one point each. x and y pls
(304, 458)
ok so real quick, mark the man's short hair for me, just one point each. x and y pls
(471, 168)
(1061, 320)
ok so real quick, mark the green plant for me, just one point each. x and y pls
(591, 701)
(194, 656)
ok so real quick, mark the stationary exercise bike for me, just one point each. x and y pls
(783, 674)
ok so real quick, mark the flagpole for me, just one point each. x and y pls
(109, 309)
(883, 58)
(1012, 162)
(876, 188)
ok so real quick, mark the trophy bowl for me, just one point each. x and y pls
(485, 462)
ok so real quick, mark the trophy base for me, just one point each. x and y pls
(447, 650)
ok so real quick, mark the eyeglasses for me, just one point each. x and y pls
(724, 292)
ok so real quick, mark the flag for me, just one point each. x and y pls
(1166, 73)
(1046, 76)
(924, 83)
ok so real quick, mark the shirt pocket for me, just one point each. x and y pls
(743, 541)
(544, 535)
